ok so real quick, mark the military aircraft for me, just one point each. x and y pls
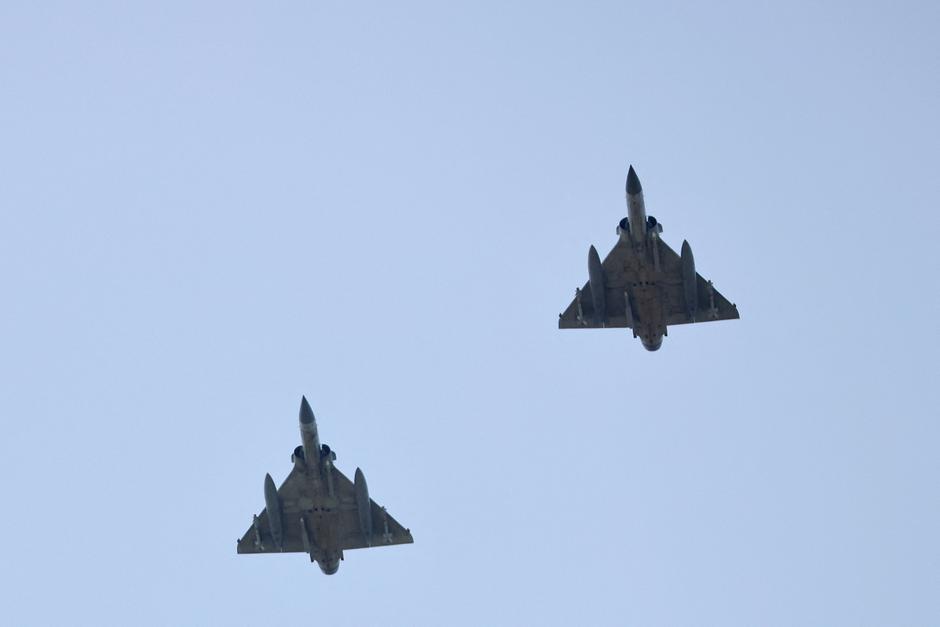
(643, 284)
(317, 510)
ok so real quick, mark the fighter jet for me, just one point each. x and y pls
(317, 510)
(643, 284)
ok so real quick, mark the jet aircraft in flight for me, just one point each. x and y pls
(318, 510)
(643, 284)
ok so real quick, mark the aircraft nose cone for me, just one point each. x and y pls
(633, 182)
(306, 414)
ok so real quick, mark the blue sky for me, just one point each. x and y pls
(209, 209)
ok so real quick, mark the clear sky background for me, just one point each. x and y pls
(209, 209)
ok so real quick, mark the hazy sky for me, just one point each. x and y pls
(209, 209)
